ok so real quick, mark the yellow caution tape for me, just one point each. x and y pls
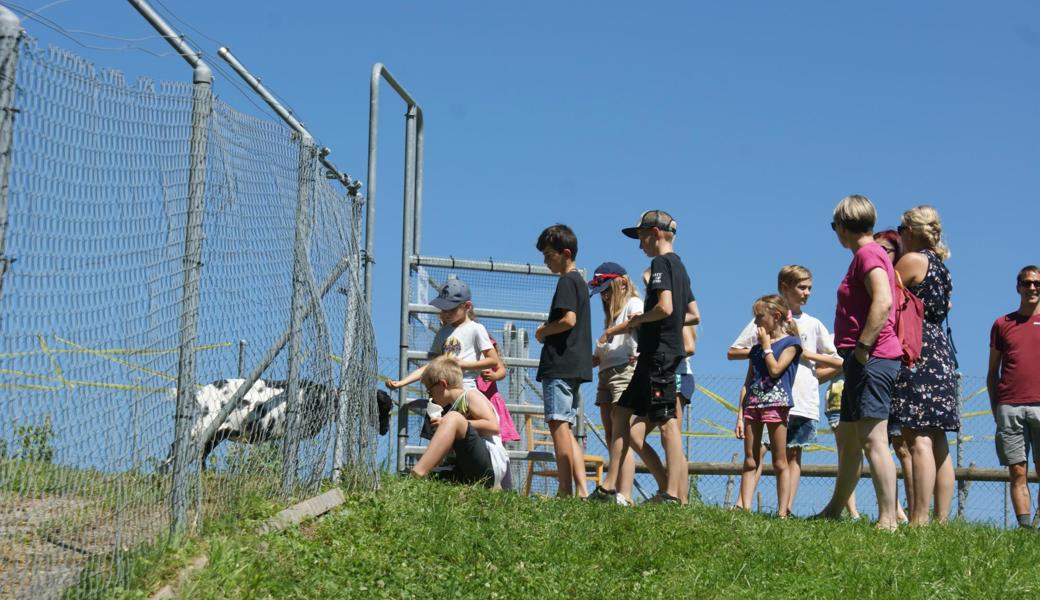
(717, 398)
(54, 361)
(116, 360)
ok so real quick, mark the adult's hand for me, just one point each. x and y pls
(861, 355)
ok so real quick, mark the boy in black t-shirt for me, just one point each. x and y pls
(566, 360)
(650, 396)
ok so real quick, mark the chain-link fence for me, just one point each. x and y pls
(708, 422)
(93, 306)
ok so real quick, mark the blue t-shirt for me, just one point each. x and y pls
(764, 391)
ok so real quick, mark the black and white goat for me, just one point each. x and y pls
(261, 414)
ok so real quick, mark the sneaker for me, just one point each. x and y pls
(622, 501)
(663, 497)
(604, 495)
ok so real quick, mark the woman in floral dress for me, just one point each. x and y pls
(925, 397)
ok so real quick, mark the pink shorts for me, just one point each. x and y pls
(773, 414)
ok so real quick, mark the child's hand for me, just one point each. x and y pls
(738, 431)
(435, 421)
(487, 374)
(633, 323)
(604, 339)
(763, 337)
(392, 384)
(595, 360)
(633, 358)
(539, 334)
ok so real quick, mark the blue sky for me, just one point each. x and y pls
(747, 121)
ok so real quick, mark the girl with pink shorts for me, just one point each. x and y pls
(766, 394)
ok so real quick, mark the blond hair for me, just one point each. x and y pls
(791, 275)
(777, 306)
(621, 291)
(924, 221)
(443, 368)
(855, 213)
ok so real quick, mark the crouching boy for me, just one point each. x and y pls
(468, 425)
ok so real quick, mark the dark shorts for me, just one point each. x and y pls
(472, 460)
(868, 388)
(651, 394)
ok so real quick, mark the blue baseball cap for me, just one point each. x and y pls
(452, 294)
(603, 275)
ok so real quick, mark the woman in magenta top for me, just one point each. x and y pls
(865, 336)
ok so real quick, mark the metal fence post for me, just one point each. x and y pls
(241, 358)
(305, 183)
(201, 109)
(342, 416)
(10, 36)
(406, 279)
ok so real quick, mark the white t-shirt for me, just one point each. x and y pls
(815, 338)
(616, 351)
(467, 342)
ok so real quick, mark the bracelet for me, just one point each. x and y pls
(767, 351)
(863, 345)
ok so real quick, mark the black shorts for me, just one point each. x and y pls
(868, 388)
(651, 394)
(472, 460)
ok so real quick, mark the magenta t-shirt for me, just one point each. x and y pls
(854, 304)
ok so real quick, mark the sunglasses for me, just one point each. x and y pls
(1029, 283)
(834, 226)
(901, 229)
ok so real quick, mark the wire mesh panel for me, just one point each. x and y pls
(91, 311)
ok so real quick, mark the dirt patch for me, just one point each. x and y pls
(46, 542)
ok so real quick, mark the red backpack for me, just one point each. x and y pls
(909, 322)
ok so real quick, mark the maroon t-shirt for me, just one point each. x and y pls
(1017, 337)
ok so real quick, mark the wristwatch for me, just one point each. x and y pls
(860, 344)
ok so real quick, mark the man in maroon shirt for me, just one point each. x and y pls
(1013, 382)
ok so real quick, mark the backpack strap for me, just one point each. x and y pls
(953, 347)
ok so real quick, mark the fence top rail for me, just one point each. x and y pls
(481, 265)
(488, 313)
(203, 74)
(285, 114)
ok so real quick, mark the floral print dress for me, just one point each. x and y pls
(925, 395)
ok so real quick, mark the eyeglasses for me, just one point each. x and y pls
(1029, 283)
(430, 388)
(834, 226)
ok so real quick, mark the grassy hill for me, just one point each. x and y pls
(424, 539)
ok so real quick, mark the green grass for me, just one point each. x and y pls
(425, 539)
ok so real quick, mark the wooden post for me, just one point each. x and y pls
(727, 501)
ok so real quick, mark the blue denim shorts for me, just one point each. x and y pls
(561, 397)
(801, 432)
